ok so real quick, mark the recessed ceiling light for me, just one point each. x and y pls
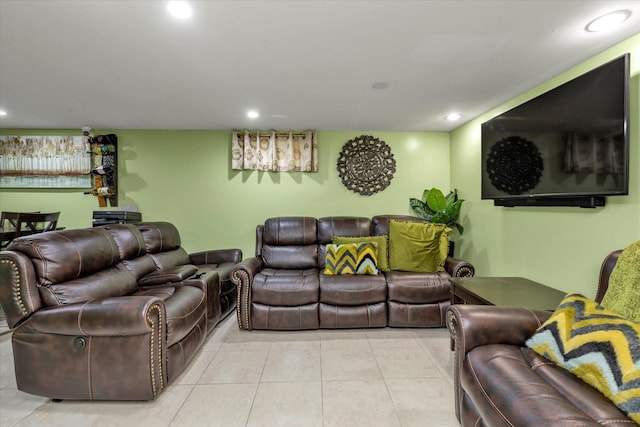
(380, 85)
(3, 113)
(608, 21)
(253, 114)
(180, 9)
(452, 117)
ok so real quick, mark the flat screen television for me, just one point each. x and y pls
(566, 147)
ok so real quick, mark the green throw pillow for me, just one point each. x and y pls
(417, 246)
(383, 244)
(351, 258)
(598, 346)
(623, 293)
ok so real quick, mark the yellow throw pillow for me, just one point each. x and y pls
(598, 346)
(351, 258)
(623, 293)
(383, 245)
(417, 246)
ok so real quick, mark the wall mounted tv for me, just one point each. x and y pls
(566, 147)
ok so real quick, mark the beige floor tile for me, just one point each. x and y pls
(401, 343)
(444, 360)
(5, 345)
(358, 403)
(287, 404)
(235, 367)
(16, 405)
(344, 339)
(349, 364)
(292, 365)
(63, 414)
(423, 402)
(406, 364)
(211, 405)
(158, 412)
(237, 340)
(7, 373)
(196, 368)
(296, 340)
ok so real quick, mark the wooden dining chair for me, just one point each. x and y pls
(8, 222)
(31, 223)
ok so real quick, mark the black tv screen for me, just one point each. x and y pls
(570, 141)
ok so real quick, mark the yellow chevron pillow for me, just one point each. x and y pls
(382, 256)
(598, 346)
(351, 258)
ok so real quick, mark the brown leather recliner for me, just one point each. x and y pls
(283, 287)
(107, 313)
(498, 381)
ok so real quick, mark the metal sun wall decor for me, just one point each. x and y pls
(366, 165)
(514, 165)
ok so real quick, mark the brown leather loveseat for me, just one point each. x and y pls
(498, 381)
(283, 287)
(110, 313)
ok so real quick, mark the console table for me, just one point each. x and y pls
(504, 291)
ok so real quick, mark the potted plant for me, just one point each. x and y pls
(440, 209)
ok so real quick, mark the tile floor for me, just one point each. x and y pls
(356, 377)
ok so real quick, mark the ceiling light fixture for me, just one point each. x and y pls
(452, 117)
(3, 113)
(253, 114)
(380, 85)
(180, 9)
(608, 21)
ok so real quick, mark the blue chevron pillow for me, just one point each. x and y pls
(598, 346)
(351, 258)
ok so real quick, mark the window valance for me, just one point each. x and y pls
(292, 151)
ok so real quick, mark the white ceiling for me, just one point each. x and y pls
(302, 64)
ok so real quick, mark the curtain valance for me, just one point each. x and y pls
(293, 151)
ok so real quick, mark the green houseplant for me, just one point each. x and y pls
(437, 208)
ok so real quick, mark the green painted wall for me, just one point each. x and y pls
(185, 177)
(560, 247)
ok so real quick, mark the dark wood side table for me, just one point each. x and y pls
(504, 291)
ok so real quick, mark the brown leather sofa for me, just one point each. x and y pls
(110, 313)
(283, 286)
(501, 382)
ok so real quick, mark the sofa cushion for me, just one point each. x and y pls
(111, 282)
(420, 247)
(159, 236)
(598, 346)
(286, 288)
(623, 293)
(418, 288)
(185, 308)
(331, 226)
(352, 258)
(68, 254)
(352, 290)
(382, 255)
(507, 390)
(289, 243)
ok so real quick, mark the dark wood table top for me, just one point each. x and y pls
(505, 291)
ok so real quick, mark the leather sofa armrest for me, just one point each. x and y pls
(471, 326)
(168, 275)
(459, 267)
(242, 276)
(116, 316)
(216, 256)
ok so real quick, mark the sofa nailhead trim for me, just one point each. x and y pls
(153, 341)
(15, 282)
